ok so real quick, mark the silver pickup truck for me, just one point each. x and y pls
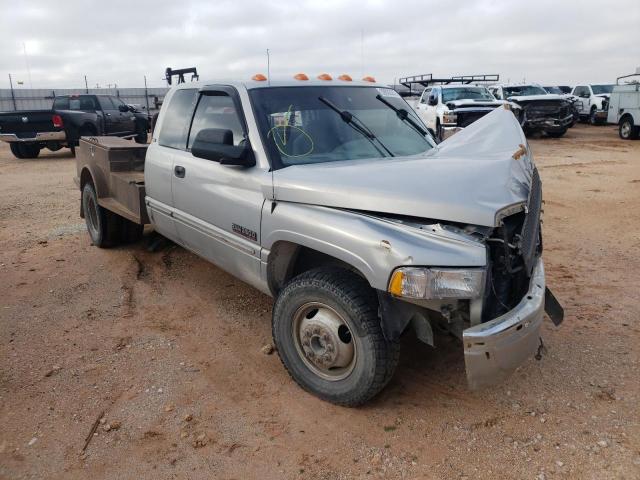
(332, 197)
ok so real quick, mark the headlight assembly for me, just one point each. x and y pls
(449, 117)
(437, 283)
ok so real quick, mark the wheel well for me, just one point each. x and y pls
(625, 116)
(87, 127)
(288, 260)
(85, 177)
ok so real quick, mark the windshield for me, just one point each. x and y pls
(522, 90)
(466, 93)
(299, 128)
(599, 89)
(556, 90)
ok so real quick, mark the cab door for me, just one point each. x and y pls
(126, 120)
(218, 207)
(169, 139)
(109, 115)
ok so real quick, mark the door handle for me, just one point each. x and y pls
(107, 114)
(179, 171)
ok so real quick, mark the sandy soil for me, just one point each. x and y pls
(169, 348)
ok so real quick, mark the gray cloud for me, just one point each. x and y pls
(120, 41)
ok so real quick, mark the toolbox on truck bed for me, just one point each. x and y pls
(116, 166)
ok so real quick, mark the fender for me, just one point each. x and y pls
(381, 245)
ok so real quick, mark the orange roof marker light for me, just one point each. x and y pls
(369, 79)
(324, 76)
(345, 78)
(300, 76)
(258, 77)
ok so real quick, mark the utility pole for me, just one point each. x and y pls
(146, 93)
(268, 68)
(13, 96)
(86, 85)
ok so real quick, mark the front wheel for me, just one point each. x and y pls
(328, 335)
(557, 133)
(141, 133)
(592, 116)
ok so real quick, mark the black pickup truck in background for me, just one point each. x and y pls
(72, 116)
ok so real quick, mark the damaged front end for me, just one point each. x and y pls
(500, 328)
(545, 115)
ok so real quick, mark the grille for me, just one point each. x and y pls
(547, 109)
(530, 234)
(467, 118)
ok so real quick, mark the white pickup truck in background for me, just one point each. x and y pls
(448, 105)
(595, 102)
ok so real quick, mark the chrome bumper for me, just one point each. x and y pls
(39, 137)
(449, 131)
(493, 350)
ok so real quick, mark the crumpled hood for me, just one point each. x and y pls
(603, 95)
(467, 178)
(466, 103)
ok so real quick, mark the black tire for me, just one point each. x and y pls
(592, 116)
(350, 297)
(439, 131)
(26, 150)
(141, 133)
(16, 150)
(557, 133)
(102, 225)
(73, 150)
(627, 130)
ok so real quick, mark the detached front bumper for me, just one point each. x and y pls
(38, 137)
(549, 124)
(493, 350)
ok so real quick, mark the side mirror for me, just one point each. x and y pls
(216, 144)
(123, 108)
(433, 100)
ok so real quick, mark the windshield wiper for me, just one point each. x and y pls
(404, 116)
(358, 125)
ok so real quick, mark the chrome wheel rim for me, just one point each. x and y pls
(324, 341)
(91, 213)
(625, 129)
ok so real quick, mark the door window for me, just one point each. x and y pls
(216, 110)
(425, 95)
(175, 124)
(105, 103)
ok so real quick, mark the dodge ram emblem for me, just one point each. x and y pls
(25, 119)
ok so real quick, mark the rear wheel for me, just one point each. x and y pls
(25, 150)
(327, 332)
(15, 149)
(627, 130)
(102, 224)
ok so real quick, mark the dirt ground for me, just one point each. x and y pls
(170, 349)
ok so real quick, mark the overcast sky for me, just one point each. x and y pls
(112, 41)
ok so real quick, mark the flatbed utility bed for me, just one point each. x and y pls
(116, 167)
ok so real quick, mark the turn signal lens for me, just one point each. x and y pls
(301, 76)
(344, 78)
(324, 76)
(409, 282)
(369, 79)
(258, 77)
(57, 121)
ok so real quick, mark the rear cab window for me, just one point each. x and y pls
(84, 103)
